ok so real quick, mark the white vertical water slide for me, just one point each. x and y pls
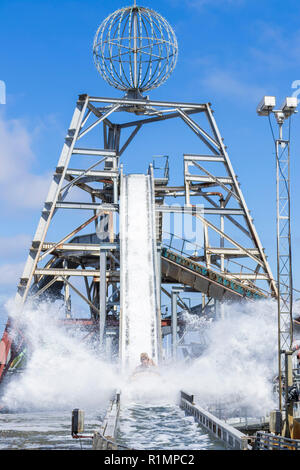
(139, 320)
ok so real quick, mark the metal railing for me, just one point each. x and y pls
(165, 168)
(105, 438)
(265, 441)
(230, 436)
(220, 279)
(232, 269)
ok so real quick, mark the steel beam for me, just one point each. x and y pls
(67, 272)
(95, 173)
(80, 247)
(86, 206)
(96, 152)
(203, 158)
(166, 104)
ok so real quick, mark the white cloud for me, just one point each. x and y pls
(10, 273)
(20, 187)
(14, 246)
(276, 47)
(224, 83)
(199, 4)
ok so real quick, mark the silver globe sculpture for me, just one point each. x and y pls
(135, 49)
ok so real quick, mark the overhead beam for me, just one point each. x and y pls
(86, 206)
(145, 102)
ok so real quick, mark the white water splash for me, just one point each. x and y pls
(62, 371)
(239, 363)
(236, 369)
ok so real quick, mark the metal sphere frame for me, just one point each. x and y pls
(135, 48)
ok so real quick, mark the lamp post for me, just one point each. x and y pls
(284, 259)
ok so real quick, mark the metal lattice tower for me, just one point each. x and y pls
(284, 255)
(283, 232)
(230, 265)
(284, 240)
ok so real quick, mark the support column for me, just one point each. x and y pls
(174, 325)
(158, 316)
(174, 293)
(102, 295)
(220, 305)
(67, 296)
(289, 415)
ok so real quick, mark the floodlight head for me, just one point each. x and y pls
(266, 105)
(289, 105)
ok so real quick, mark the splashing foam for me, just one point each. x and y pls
(240, 361)
(236, 368)
(235, 371)
(62, 372)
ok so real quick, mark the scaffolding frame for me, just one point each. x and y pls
(97, 261)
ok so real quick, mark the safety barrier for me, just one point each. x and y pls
(106, 437)
(265, 441)
(230, 436)
(211, 276)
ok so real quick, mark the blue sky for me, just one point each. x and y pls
(231, 53)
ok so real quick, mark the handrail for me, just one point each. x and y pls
(183, 252)
(218, 278)
(224, 432)
(268, 441)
